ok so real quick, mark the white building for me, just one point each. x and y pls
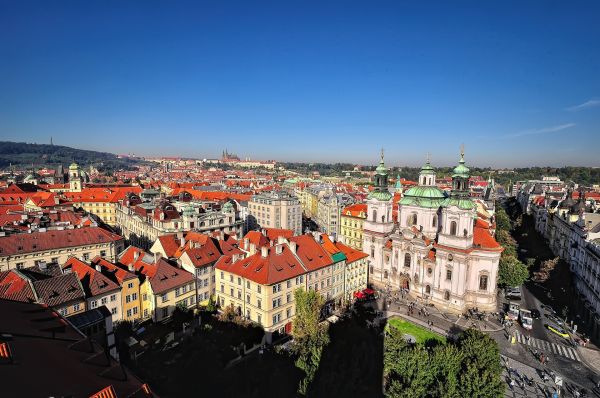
(437, 249)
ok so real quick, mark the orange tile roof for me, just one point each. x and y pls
(355, 210)
(482, 239)
(311, 253)
(268, 270)
(274, 233)
(94, 282)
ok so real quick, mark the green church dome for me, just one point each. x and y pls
(461, 170)
(423, 196)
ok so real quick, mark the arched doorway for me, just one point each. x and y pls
(404, 281)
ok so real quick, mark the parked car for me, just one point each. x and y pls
(512, 293)
(525, 319)
(535, 314)
(557, 330)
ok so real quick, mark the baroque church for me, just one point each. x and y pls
(436, 248)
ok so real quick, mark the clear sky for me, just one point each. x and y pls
(517, 82)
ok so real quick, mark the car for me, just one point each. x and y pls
(549, 310)
(512, 312)
(526, 320)
(535, 314)
(513, 293)
(557, 330)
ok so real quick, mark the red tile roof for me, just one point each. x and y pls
(42, 241)
(268, 270)
(274, 233)
(352, 255)
(257, 238)
(311, 253)
(355, 210)
(93, 282)
(482, 239)
(14, 286)
(120, 274)
(168, 277)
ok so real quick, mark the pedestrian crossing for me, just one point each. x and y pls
(546, 346)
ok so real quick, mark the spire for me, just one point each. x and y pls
(381, 191)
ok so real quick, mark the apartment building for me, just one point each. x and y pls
(56, 246)
(131, 298)
(351, 225)
(275, 210)
(101, 202)
(168, 285)
(141, 223)
(45, 284)
(261, 287)
(99, 289)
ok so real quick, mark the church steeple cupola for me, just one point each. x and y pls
(380, 181)
(427, 175)
(460, 177)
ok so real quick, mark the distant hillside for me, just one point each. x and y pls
(42, 155)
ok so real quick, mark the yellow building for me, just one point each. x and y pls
(102, 202)
(261, 287)
(131, 294)
(351, 225)
(165, 287)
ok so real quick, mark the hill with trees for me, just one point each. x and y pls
(21, 154)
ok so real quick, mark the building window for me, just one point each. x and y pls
(407, 260)
(258, 288)
(483, 282)
(375, 215)
(130, 285)
(434, 221)
(385, 274)
(276, 318)
(128, 313)
(453, 228)
(427, 289)
(113, 297)
(446, 295)
(448, 274)
(259, 304)
(277, 288)
(259, 319)
(289, 297)
(165, 312)
(288, 313)
(114, 311)
(104, 300)
(94, 304)
(86, 256)
(164, 298)
(429, 271)
(76, 307)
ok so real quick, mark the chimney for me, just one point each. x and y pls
(264, 232)
(252, 249)
(98, 268)
(280, 240)
(234, 258)
(246, 241)
(278, 249)
(136, 254)
(222, 235)
(293, 247)
(130, 268)
(264, 251)
(182, 240)
(157, 257)
(317, 236)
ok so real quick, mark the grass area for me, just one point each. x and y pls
(419, 333)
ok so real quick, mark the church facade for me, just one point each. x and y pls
(436, 248)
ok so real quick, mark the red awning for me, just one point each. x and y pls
(368, 291)
(359, 295)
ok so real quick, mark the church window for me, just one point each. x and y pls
(453, 228)
(427, 289)
(434, 221)
(483, 282)
(407, 260)
(465, 232)
(446, 295)
(385, 274)
(416, 278)
(448, 274)
(372, 252)
(429, 271)
(450, 257)
(371, 269)
(375, 215)
(382, 218)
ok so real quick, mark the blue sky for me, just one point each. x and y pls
(517, 82)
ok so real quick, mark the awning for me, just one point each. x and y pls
(368, 291)
(359, 295)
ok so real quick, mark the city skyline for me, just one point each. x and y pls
(516, 84)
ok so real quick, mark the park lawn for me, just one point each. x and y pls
(420, 334)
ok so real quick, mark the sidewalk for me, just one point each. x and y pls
(442, 320)
(590, 357)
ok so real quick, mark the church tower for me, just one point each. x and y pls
(459, 212)
(379, 223)
(74, 178)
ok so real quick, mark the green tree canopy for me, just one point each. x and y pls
(512, 272)
(502, 220)
(481, 371)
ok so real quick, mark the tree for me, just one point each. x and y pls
(507, 242)
(181, 314)
(480, 374)
(445, 365)
(511, 272)
(502, 220)
(310, 337)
